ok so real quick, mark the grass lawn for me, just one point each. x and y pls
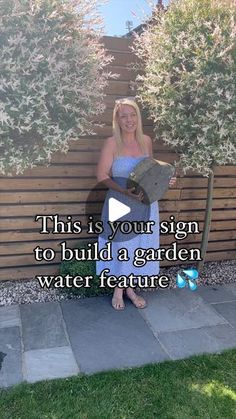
(199, 387)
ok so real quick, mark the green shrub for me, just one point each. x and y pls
(52, 78)
(83, 268)
(188, 83)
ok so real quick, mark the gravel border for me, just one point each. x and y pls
(23, 291)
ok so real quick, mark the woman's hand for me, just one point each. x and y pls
(172, 181)
(130, 192)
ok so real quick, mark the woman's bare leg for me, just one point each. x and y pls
(117, 299)
(137, 300)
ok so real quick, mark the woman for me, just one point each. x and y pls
(119, 155)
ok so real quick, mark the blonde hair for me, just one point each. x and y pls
(116, 127)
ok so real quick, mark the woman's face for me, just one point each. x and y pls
(127, 118)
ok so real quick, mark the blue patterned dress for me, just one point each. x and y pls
(121, 168)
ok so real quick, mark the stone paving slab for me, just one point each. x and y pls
(228, 311)
(216, 293)
(104, 339)
(10, 356)
(185, 343)
(232, 288)
(42, 326)
(43, 364)
(9, 316)
(178, 309)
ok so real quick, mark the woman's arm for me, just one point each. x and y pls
(105, 164)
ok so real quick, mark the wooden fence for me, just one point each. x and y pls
(64, 187)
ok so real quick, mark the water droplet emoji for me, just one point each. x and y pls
(192, 273)
(192, 285)
(180, 281)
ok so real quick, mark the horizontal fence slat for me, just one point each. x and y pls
(200, 215)
(202, 193)
(225, 170)
(87, 158)
(218, 256)
(30, 272)
(82, 170)
(28, 222)
(84, 183)
(92, 144)
(28, 247)
(34, 234)
(71, 208)
(47, 184)
(219, 182)
(201, 203)
(65, 196)
(29, 259)
(106, 131)
(116, 43)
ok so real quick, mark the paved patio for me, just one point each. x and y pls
(54, 340)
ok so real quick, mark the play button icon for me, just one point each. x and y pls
(117, 212)
(117, 209)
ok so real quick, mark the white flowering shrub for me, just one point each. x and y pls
(188, 55)
(52, 78)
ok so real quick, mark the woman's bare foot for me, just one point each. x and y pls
(117, 299)
(138, 301)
